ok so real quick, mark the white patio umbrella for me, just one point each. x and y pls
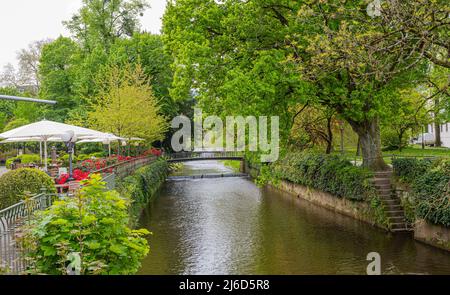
(48, 129)
(107, 139)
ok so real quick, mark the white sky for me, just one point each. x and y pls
(25, 21)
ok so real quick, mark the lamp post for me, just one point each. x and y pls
(341, 128)
(69, 139)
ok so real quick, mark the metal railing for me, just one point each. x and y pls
(204, 155)
(122, 169)
(11, 219)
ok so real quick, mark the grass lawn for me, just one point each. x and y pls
(410, 151)
(232, 164)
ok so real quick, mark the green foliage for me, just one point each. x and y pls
(391, 141)
(143, 184)
(16, 123)
(408, 169)
(89, 231)
(378, 212)
(24, 159)
(430, 187)
(15, 183)
(328, 173)
(432, 193)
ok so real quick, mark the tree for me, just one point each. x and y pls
(127, 107)
(408, 112)
(267, 56)
(100, 22)
(58, 73)
(10, 76)
(148, 50)
(29, 63)
(27, 74)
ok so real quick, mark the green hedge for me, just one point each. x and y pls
(15, 183)
(142, 185)
(408, 169)
(430, 186)
(432, 194)
(328, 173)
(24, 159)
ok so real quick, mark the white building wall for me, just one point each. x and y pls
(445, 133)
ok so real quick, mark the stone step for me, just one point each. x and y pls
(381, 182)
(384, 192)
(397, 219)
(396, 213)
(400, 229)
(383, 174)
(392, 202)
(383, 186)
(397, 225)
(393, 206)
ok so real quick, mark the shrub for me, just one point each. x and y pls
(14, 184)
(390, 140)
(432, 194)
(24, 159)
(89, 232)
(65, 159)
(408, 169)
(327, 173)
(143, 184)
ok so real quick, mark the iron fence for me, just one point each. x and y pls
(204, 154)
(11, 219)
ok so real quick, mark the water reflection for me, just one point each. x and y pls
(229, 226)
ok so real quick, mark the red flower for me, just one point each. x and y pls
(62, 179)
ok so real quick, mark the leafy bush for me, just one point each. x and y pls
(24, 159)
(390, 140)
(327, 173)
(65, 159)
(14, 184)
(408, 169)
(142, 185)
(87, 232)
(432, 194)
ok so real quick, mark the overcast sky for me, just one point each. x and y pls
(25, 21)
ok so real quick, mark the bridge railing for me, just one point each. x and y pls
(204, 154)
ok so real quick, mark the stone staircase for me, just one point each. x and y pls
(394, 209)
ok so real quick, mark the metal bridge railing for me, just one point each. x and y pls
(11, 219)
(204, 154)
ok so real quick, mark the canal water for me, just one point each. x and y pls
(230, 226)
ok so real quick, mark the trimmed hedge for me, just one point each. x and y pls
(430, 187)
(143, 184)
(14, 184)
(328, 173)
(432, 194)
(24, 159)
(408, 169)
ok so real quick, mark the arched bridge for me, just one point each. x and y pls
(201, 156)
(204, 155)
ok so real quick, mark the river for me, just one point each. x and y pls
(231, 226)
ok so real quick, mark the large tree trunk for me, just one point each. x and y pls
(329, 136)
(437, 124)
(437, 133)
(370, 140)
